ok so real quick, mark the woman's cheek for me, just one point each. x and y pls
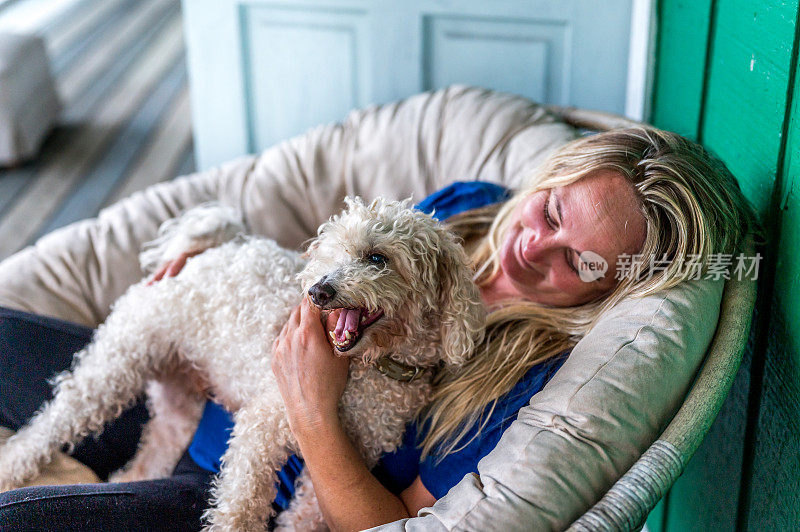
(569, 284)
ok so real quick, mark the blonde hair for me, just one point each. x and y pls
(692, 208)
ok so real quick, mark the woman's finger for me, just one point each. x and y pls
(159, 274)
(173, 267)
(291, 324)
(294, 318)
(308, 311)
(176, 265)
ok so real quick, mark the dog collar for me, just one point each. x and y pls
(397, 370)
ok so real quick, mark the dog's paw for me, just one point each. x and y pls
(123, 475)
(141, 470)
(11, 483)
(14, 471)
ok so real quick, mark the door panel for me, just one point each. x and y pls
(265, 70)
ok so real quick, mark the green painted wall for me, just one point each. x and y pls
(725, 76)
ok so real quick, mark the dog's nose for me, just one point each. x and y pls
(321, 293)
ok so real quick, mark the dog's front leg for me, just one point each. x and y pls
(304, 512)
(245, 488)
(175, 411)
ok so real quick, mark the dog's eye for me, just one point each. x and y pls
(377, 259)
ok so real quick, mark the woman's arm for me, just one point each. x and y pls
(350, 497)
(311, 380)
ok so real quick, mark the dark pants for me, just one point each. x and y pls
(32, 350)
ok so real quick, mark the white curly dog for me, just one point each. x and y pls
(407, 307)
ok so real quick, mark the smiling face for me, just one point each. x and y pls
(391, 279)
(559, 239)
(359, 284)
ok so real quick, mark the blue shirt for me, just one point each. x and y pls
(397, 470)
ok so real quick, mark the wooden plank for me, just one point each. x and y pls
(12, 182)
(73, 29)
(188, 164)
(56, 180)
(163, 157)
(680, 65)
(88, 196)
(81, 111)
(32, 16)
(64, 48)
(706, 496)
(775, 482)
(747, 91)
(747, 76)
(655, 521)
(679, 77)
(79, 78)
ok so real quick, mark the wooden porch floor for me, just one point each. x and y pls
(121, 74)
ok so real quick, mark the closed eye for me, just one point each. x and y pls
(549, 219)
(568, 256)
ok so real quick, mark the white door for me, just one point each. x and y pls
(265, 70)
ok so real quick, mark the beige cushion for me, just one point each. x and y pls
(410, 148)
(613, 396)
(619, 387)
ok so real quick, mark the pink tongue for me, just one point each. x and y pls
(348, 321)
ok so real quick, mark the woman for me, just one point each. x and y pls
(598, 200)
(619, 193)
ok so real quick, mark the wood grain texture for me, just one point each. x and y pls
(706, 496)
(787, 276)
(747, 91)
(748, 80)
(55, 182)
(680, 65)
(775, 484)
(163, 156)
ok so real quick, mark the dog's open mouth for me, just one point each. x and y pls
(350, 326)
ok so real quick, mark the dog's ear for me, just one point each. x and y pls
(463, 315)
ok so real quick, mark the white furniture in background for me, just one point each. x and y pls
(265, 70)
(29, 105)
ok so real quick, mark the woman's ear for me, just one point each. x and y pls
(463, 315)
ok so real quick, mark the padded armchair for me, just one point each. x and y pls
(612, 398)
(629, 501)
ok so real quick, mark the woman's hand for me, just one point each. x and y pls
(173, 267)
(311, 378)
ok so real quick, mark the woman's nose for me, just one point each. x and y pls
(535, 248)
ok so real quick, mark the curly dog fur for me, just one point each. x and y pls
(214, 324)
